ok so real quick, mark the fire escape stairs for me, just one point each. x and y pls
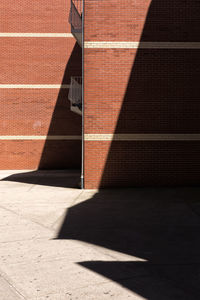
(75, 19)
(75, 95)
(75, 91)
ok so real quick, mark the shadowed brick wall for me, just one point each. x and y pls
(142, 92)
(37, 128)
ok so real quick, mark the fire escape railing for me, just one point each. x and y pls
(75, 94)
(75, 19)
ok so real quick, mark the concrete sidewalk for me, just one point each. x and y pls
(60, 243)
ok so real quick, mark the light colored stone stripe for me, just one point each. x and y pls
(34, 86)
(142, 137)
(35, 34)
(41, 137)
(143, 45)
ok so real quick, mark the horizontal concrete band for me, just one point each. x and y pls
(142, 137)
(35, 34)
(41, 137)
(108, 137)
(34, 86)
(143, 45)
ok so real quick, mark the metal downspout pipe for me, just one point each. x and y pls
(82, 150)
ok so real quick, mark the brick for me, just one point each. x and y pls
(138, 163)
(39, 154)
(141, 91)
(37, 112)
(34, 16)
(38, 60)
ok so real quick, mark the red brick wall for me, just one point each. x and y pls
(37, 60)
(34, 16)
(141, 163)
(115, 20)
(28, 154)
(141, 91)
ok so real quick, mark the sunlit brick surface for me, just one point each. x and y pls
(37, 61)
(34, 16)
(34, 60)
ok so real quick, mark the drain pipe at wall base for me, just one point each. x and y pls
(82, 150)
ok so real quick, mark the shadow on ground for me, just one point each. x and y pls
(56, 178)
(159, 230)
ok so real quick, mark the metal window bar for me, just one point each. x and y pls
(75, 92)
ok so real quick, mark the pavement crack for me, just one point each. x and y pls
(65, 212)
(11, 285)
(25, 218)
